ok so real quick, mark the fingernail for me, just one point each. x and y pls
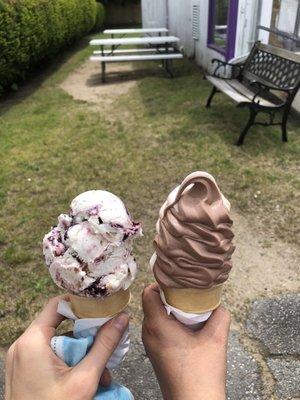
(121, 321)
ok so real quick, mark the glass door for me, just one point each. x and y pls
(222, 20)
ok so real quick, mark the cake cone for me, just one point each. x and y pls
(90, 307)
(194, 301)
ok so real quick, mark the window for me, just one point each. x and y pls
(222, 26)
(284, 27)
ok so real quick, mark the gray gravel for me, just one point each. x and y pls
(243, 382)
(1, 377)
(276, 323)
(287, 377)
(136, 371)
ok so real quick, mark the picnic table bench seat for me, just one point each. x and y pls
(147, 57)
(150, 40)
(266, 82)
(130, 51)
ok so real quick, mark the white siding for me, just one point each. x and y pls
(154, 13)
(180, 24)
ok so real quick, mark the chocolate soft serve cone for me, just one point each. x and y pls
(193, 245)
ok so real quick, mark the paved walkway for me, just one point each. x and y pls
(263, 358)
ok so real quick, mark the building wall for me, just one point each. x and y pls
(154, 13)
(177, 16)
(180, 24)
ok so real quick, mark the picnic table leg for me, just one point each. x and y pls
(162, 61)
(103, 67)
(165, 62)
(169, 68)
(112, 47)
(168, 63)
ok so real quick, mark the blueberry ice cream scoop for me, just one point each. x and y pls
(89, 252)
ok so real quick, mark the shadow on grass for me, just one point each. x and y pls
(36, 77)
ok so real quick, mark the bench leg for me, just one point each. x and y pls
(283, 125)
(103, 67)
(213, 92)
(247, 127)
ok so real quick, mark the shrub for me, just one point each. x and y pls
(100, 15)
(32, 31)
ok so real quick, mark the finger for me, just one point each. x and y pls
(49, 316)
(217, 326)
(153, 307)
(105, 379)
(104, 345)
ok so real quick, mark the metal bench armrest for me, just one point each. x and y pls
(235, 72)
(264, 89)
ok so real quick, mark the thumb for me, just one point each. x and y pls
(105, 343)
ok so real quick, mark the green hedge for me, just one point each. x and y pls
(35, 30)
(100, 15)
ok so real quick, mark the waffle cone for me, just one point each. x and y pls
(91, 307)
(193, 300)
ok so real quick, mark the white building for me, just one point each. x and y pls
(226, 29)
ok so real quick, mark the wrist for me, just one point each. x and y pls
(192, 391)
(194, 394)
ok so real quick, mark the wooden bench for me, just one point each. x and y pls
(267, 81)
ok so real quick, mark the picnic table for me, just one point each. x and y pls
(158, 47)
(140, 31)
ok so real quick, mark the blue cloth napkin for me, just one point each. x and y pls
(72, 351)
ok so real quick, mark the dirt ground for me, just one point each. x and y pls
(262, 267)
(85, 83)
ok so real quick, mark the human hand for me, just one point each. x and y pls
(34, 372)
(189, 365)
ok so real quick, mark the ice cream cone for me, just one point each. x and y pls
(192, 300)
(89, 307)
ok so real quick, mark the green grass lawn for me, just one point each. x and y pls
(53, 147)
